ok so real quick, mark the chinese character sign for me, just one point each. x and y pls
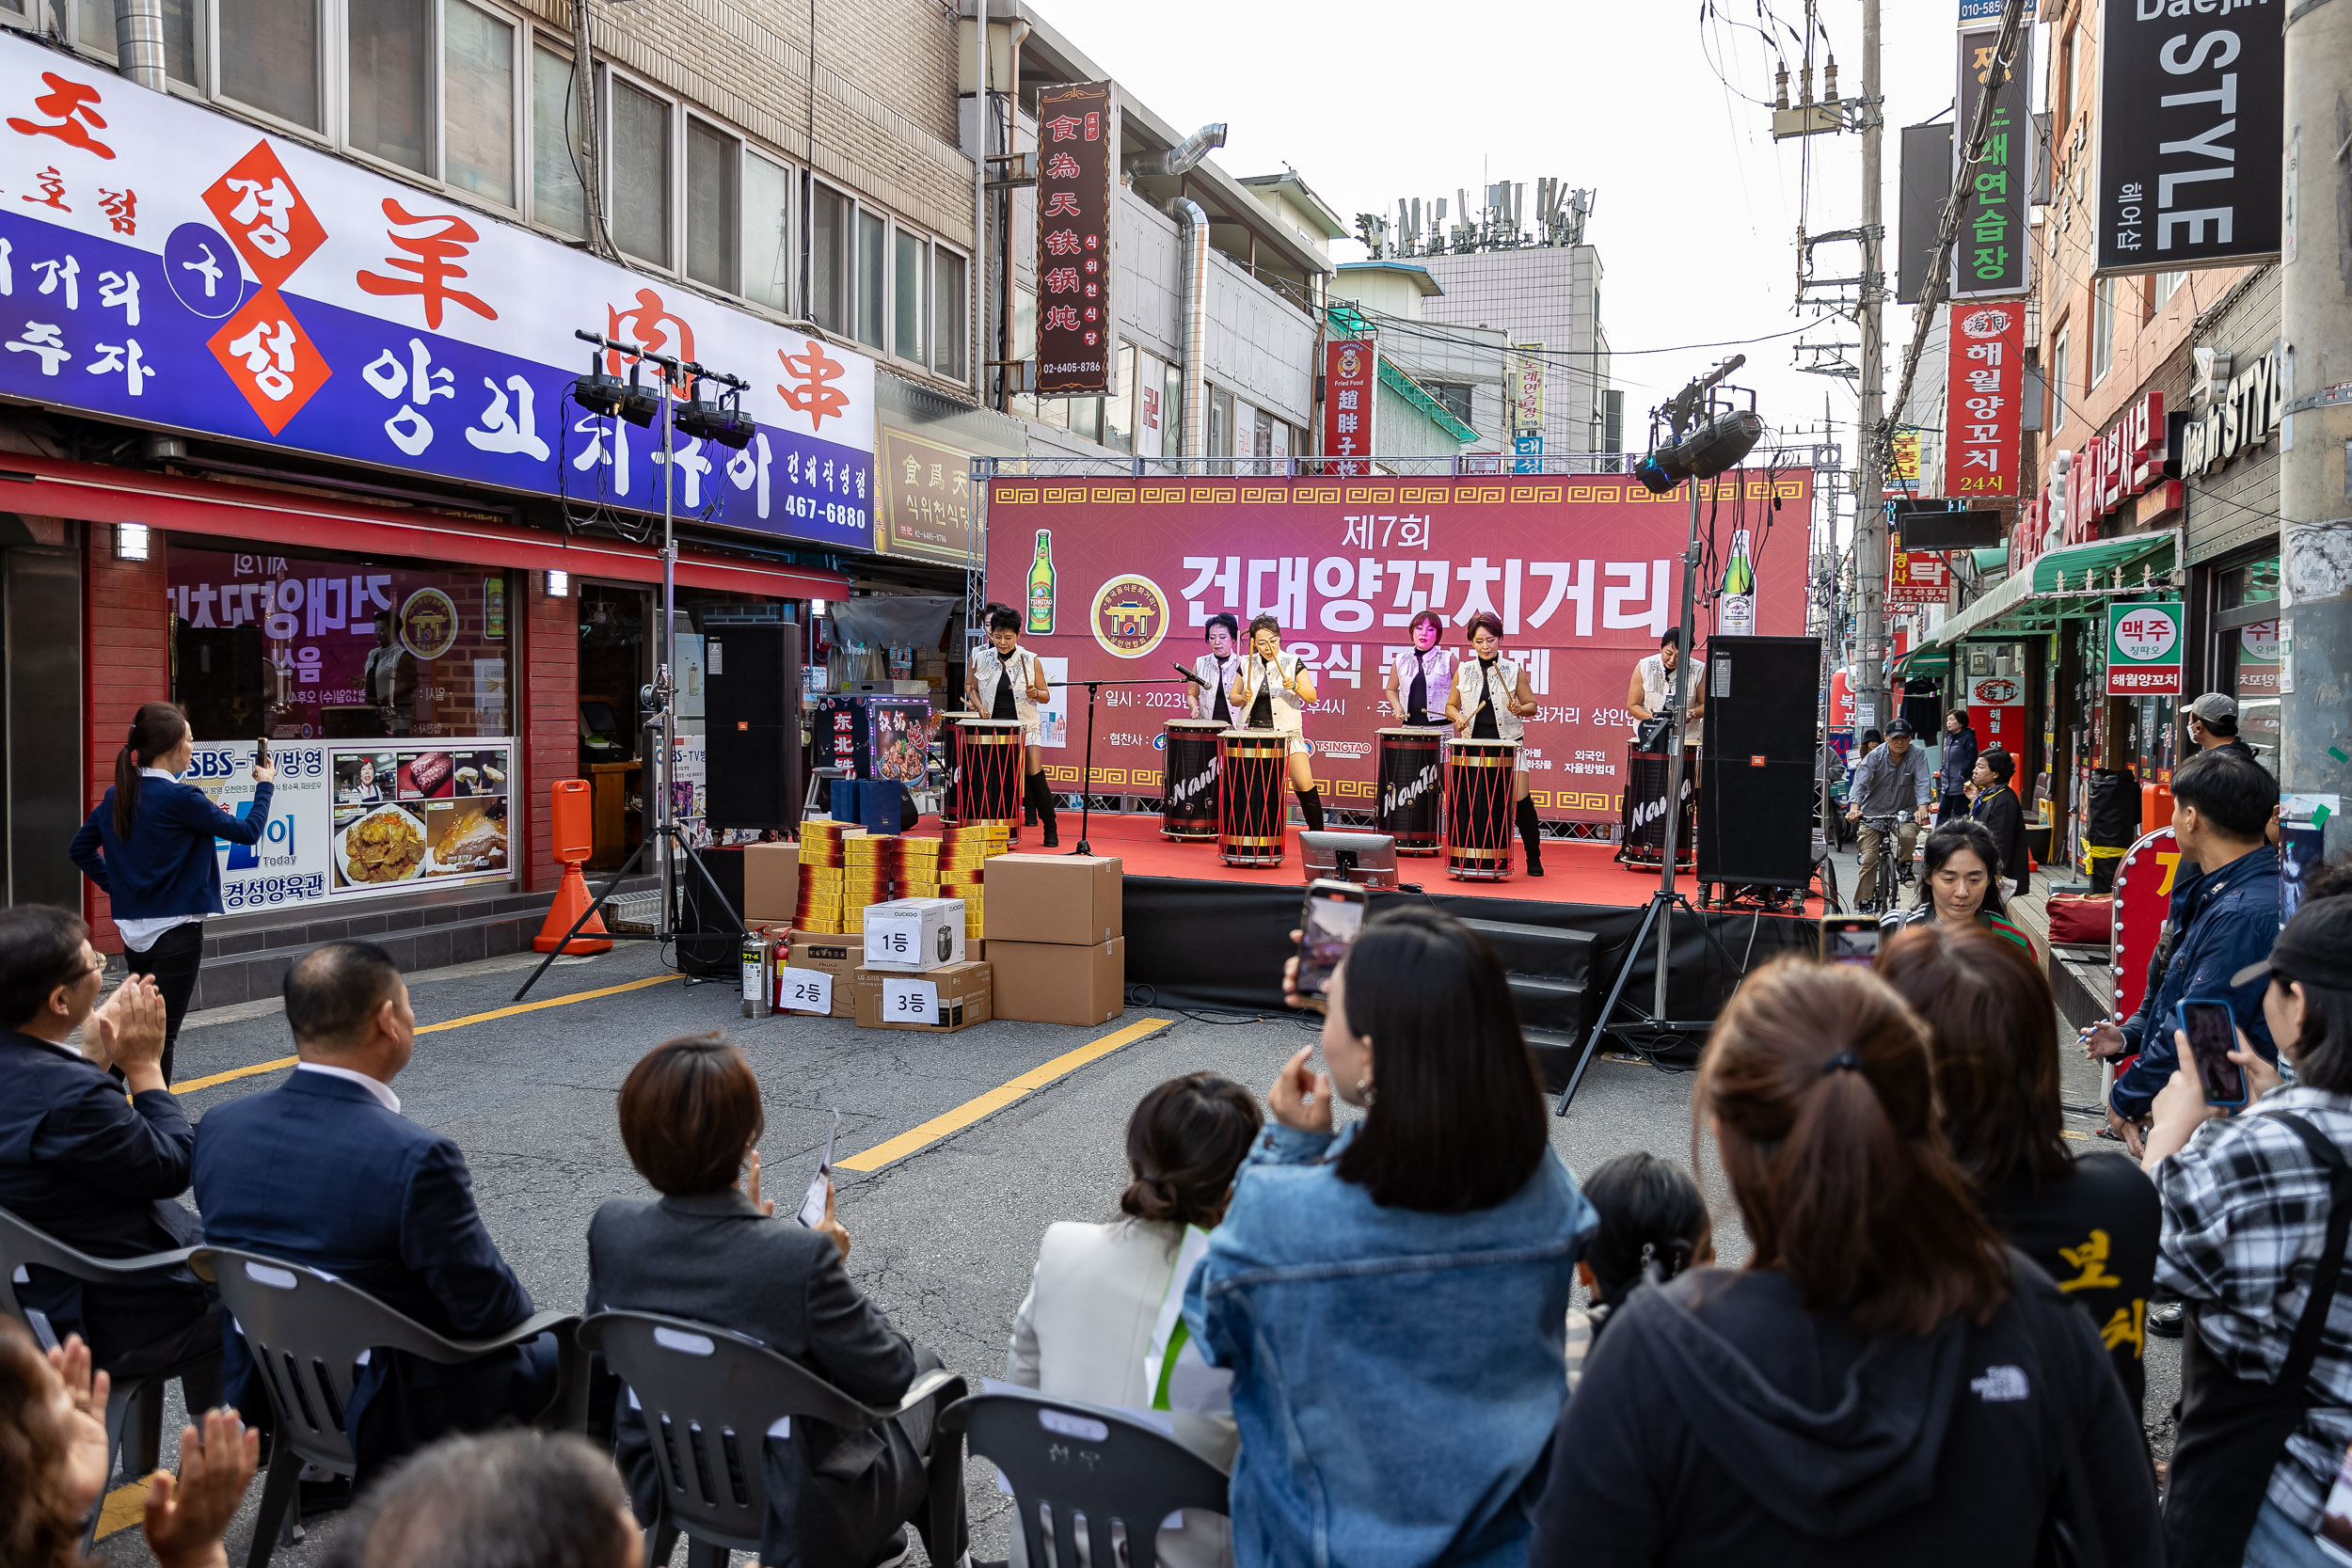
(164, 264)
(2144, 649)
(2191, 131)
(1986, 365)
(1582, 573)
(1077, 131)
(1988, 257)
(926, 497)
(1351, 388)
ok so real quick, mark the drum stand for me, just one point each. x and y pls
(1086, 777)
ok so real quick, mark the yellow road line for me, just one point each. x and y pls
(125, 1506)
(997, 1098)
(191, 1085)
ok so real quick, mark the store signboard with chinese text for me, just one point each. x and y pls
(1581, 571)
(1917, 578)
(1077, 137)
(2144, 649)
(1351, 391)
(926, 497)
(1986, 366)
(1988, 257)
(2191, 134)
(170, 266)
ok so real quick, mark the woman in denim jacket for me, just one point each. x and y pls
(1392, 1300)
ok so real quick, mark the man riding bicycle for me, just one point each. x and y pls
(1892, 782)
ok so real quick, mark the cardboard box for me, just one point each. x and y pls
(913, 935)
(835, 955)
(771, 881)
(1071, 899)
(1052, 982)
(962, 995)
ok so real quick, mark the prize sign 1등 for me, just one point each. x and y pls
(166, 265)
(2144, 649)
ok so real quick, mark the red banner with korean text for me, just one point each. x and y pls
(1077, 131)
(1987, 361)
(1918, 578)
(1580, 569)
(1351, 383)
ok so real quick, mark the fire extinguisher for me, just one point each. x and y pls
(760, 974)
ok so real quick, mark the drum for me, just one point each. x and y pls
(1479, 800)
(1188, 788)
(1642, 817)
(950, 739)
(1252, 764)
(988, 777)
(1412, 789)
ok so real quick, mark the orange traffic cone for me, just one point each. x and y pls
(574, 841)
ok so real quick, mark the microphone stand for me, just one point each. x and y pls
(1085, 801)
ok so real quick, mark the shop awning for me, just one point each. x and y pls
(93, 493)
(1929, 661)
(2070, 582)
(1993, 558)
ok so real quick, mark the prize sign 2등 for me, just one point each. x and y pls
(1581, 570)
(166, 265)
(2144, 649)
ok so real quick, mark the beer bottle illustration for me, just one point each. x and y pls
(1041, 585)
(1737, 617)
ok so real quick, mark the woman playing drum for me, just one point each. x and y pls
(1006, 681)
(1490, 701)
(1272, 690)
(1420, 673)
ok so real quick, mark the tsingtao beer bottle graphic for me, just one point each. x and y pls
(1738, 615)
(1041, 585)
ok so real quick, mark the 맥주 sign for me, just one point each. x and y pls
(2144, 649)
(1076, 132)
(166, 265)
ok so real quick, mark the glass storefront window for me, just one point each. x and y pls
(2244, 650)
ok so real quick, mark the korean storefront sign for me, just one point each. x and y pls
(1989, 259)
(1918, 578)
(1987, 371)
(2191, 134)
(2144, 649)
(1351, 390)
(927, 497)
(1526, 390)
(2241, 416)
(2125, 460)
(1077, 132)
(166, 265)
(1581, 571)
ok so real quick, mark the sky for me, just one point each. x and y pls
(1696, 210)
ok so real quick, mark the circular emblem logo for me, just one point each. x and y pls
(1997, 692)
(428, 622)
(1985, 323)
(1130, 615)
(1351, 362)
(2145, 634)
(2261, 642)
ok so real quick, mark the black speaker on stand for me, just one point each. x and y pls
(751, 725)
(1757, 763)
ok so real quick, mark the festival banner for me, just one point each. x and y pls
(1986, 385)
(1077, 131)
(1581, 570)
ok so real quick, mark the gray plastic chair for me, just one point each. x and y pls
(1091, 1468)
(134, 1405)
(708, 1397)
(306, 1331)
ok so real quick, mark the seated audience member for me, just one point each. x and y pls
(715, 1253)
(2089, 1221)
(325, 1171)
(1653, 1226)
(1101, 1321)
(2248, 1204)
(93, 1170)
(1880, 1371)
(54, 1463)
(1392, 1299)
(514, 1500)
(1962, 886)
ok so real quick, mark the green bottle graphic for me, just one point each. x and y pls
(1737, 617)
(1041, 585)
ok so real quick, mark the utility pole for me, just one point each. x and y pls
(1869, 516)
(2316, 454)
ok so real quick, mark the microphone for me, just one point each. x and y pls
(1192, 678)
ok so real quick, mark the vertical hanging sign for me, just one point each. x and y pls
(1077, 130)
(1989, 257)
(1351, 385)
(1987, 366)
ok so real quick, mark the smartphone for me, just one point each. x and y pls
(1849, 938)
(1326, 928)
(260, 752)
(2212, 1032)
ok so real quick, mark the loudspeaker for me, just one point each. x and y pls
(1756, 767)
(751, 725)
(708, 943)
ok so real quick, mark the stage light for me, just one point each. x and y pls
(130, 541)
(640, 404)
(1715, 446)
(720, 421)
(597, 391)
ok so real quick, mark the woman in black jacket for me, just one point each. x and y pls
(1884, 1382)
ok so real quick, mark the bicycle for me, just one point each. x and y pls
(1887, 886)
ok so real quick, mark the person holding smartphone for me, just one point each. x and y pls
(148, 846)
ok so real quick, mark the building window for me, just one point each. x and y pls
(828, 258)
(1119, 409)
(1085, 418)
(269, 57)
(1221, 423)
(640, 185)
(2102, 329)
(1456, 398)
(478, 49)
(767, 233)
(1172, 410)
(2244, 650)
(392, 79)
(951, 302)
(910, 276)
(713, 242)
(2060, 388)
(558, 155)
(2168, 284)
(872, 265)
(93, 22)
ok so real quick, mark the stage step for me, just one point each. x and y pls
(1549, 969)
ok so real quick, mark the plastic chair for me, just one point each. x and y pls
(306, 1331)
(709, 1397)
(134, 1405)
(1092, 1468)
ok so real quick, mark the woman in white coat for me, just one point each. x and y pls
(1491, 700)
(1006, 681)
(1103, 1322)
(1273, 691)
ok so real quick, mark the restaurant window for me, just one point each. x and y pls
(558, 197)
(392, 79)
(713, 243)
(478, 87)
(828, 258)
(269, 57)
(640, 187)
(910, 280)
(767, 234)
(872, 266)
(951, 302)
(2244, 650)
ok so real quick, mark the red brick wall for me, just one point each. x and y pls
(550, 716)
(126, 631)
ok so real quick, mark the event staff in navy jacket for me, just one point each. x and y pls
(325, 1171)
(148, 846)
(92, 1167)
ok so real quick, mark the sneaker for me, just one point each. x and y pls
(2165, 1319)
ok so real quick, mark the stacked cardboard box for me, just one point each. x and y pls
(952, 997)
(823, 859)
(771, 883)
(870, 865)
(918, 868)
(1057, 938)
(836, 955)
(964, 852)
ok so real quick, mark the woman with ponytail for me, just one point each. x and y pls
(148, 846)
(1885, 1380)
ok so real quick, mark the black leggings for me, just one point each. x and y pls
(173, 959)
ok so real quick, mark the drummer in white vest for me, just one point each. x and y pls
(1651, 691)
(1215, 668)
(1416, 675)
(1272, 690)
(1491, 700)
(1006, 681)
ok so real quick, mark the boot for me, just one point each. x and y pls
(1310, 802)
(1040, 800)
(1531, 834)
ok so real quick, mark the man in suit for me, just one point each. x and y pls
(2003, 815)
(325, 1171)
(93, 1168)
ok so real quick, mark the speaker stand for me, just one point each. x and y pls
(1640, 1024)
(664, 931)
